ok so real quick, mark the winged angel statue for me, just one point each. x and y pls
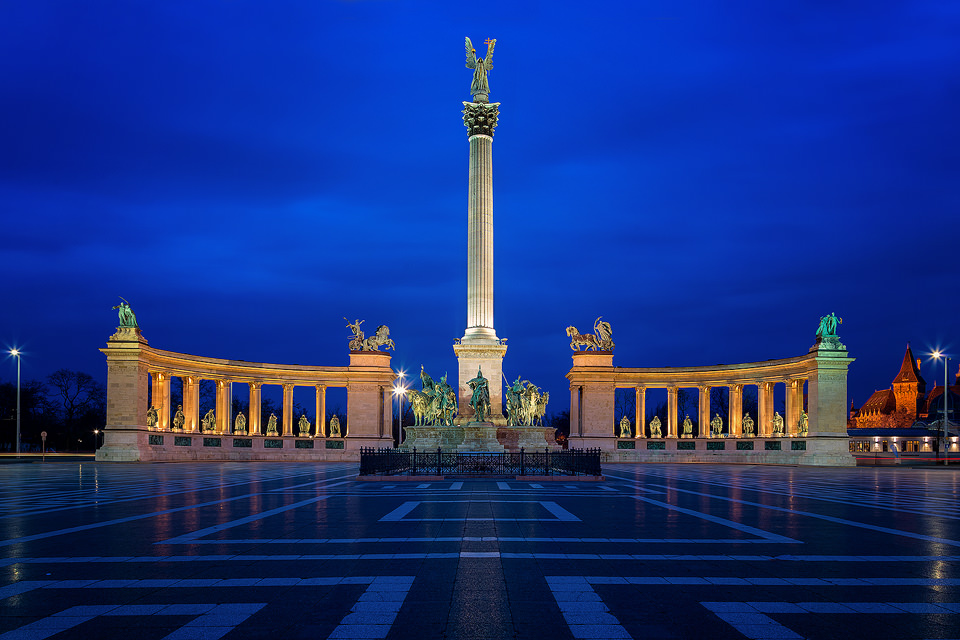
(480, 88)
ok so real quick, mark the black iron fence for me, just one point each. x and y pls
(571, 462)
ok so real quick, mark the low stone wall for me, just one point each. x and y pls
(184, 447)
(802, 451)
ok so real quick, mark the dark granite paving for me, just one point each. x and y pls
(286, 551)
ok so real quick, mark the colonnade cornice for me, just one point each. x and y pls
(749, 373)
(205, 368)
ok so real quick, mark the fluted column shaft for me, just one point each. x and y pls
(480, 239)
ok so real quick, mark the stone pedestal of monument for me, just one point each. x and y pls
(429, 438)
(480, 437)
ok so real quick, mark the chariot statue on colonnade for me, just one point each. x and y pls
(600, 340)
(380, 338)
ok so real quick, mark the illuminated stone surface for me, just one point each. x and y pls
(285, 550)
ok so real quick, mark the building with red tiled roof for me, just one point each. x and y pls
(906, 401)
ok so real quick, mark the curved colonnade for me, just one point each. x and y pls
(132, 365)
(594, 381)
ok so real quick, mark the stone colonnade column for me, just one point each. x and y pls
(253, 421)
(671, 412)
(223, 406)
(191, 404)
(640, 429)
(321, 411)
(127, 382)
(736, 409)
(704, 410)
(789, 422)
(794, 405)
(765, 408)
(288, 409)
(160, 383)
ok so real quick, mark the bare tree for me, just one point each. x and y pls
(80, 402)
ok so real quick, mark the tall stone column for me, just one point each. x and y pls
(321, 411)
(640, 417)
(736, 410)
(672, 412)
(792, 407)
(703, 410)
(160, 382)
(288, 409)
(224, 406)
(254, 417)
(765, 408)
(191, 403)
(480, 349)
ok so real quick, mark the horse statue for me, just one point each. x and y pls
(578, 339)
(378, 339)
(541, 409)
(601, 340)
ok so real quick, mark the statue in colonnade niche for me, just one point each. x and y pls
(687, 428)
(209, 421)
(655, 431)
(179, 419)
(803, 424)
(127, 317)
(747, 425)
(480, 399)
(272, 425)
(335, 427)
(777, 423)
(240, 424)
(716, 426)
(304, 425)
(601, 340)
(152, 418)
(624, 427)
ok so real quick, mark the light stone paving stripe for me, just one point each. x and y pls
(536, 486)
(810, 514)
(199, 533)
(581, 606)
(400, 512)
(503, 486)
(107, 523)
(456, 486)
(213, 621)
(760, 533)
(376, 610)
(749, 618)
(423, 486)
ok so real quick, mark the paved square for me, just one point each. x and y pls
(292, 550)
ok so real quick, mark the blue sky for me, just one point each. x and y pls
(710, 177)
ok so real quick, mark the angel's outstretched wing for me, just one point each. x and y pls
(471, 55)
(488, 61)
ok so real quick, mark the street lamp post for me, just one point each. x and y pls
(945, 433)
(96, 439)
(16, 354)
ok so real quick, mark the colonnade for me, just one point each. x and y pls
(132, 365)
(223, 405)
(822, 370)
(765, 405)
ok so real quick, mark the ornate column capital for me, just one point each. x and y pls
(256, 384)
(479, 118)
